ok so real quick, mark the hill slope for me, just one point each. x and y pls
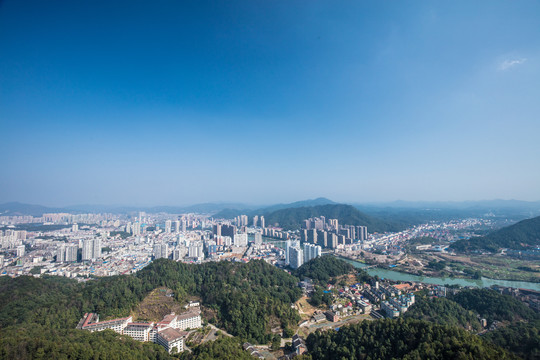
(400, 339)
(232, 212)
(523, 235)
(292, 218)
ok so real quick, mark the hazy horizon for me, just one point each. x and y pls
(268, 102)
(262, 205)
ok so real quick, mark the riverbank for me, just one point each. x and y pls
(445, 265)
(400, 276)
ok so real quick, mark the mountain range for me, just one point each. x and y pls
(520, 236)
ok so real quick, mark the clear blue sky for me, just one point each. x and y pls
(178, 102)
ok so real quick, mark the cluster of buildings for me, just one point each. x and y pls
(329, 234)
(10, 239)
(363, 298)
(295, 256)
(169, 332)
(396, 306)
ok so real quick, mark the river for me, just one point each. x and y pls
(400, 276)
(484, 282)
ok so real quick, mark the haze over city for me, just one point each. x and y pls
(175, 103)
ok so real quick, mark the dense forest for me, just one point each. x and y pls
(38, 315)
(321, 269)
(443, 311)
(521, 338)
(492, 306)
(400, 339)
(245, 296)
(523, 235)
(40, 342)
(519, 334)
(224, 348)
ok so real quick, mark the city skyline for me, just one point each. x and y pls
(179, 104)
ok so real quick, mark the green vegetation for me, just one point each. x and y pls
(521, 338)
(494, 306)
(443, 311)
(244, 296)
(224, 348)
(291, 218)
(523, 235)
(321, 269)
(37, 342)
(122, 234)
(319, 297)
(403, 339)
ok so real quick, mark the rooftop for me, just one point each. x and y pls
(171, 334)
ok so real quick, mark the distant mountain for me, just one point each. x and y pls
(291, 218)
(409, 213)
(523, 235)
(298, 204)
(231, 213)
(480, 204)
(16, 209)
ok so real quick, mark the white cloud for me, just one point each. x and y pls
(510, 63)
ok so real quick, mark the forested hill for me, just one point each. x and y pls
(231, 213)
(322, 268)
(292, 218)
(522, 235)
(400, 339)
(244, 297)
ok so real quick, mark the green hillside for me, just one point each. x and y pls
(400, 339)
(522, 235)
(443, 311)
(245, 297)
(291, 218)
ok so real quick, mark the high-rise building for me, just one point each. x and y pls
(91, 249)
(184, 225)
(318, 224)
(240, 239)
(322, 238)
(66, 253)
(61, 254)
(216, 230)
(161, 251)
(304, 235)
(97, 248)
(71, 253)
(332, 241)
(258, 238)
(288, 245)
(74, 228)
(228, 230)
(312, 236)
(255, 221)
(242, 220)
(262, 222)
(311, 252)
(177, 226)
(168, 226)
(1, 261)
(20, 250)
(296, 257)
(136, 228)
(334, 225)
(361, 232)
(196, 250)
(87, 249)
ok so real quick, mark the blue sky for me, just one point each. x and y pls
(178, 102)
